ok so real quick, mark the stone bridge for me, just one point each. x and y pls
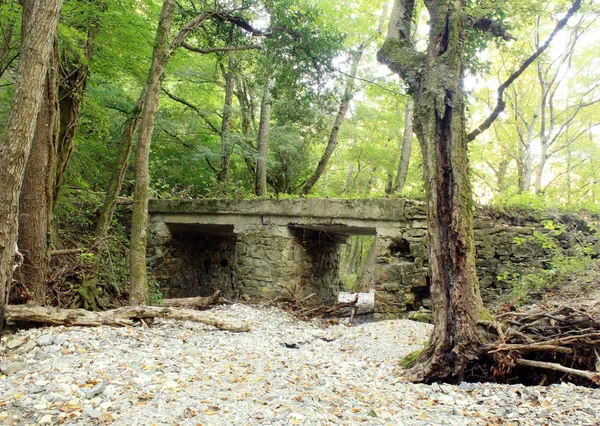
(263, 248)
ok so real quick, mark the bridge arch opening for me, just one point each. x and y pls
(336, 259)
(196, 261)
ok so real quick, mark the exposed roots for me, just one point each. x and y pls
(546, 344)
(549, 343)
(74, 283)
(434, 364)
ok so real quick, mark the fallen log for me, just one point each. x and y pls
(593, 377)
(117, 317)
(193, 302)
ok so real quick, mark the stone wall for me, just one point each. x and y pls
(508, 245)
(252, 262)
(266, 263)
(320, 270)
(511, 244)
(401, 271)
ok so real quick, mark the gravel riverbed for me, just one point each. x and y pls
(282, 372)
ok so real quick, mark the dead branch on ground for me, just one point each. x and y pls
(193, 302)
(120, 317)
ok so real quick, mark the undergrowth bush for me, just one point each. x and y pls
(559, 268)
(97, 277)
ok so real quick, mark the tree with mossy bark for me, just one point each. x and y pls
(20, 130)
(434, 78)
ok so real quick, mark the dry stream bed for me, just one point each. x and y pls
(282, 372)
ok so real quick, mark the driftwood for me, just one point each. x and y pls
(304, 310)
(117, 317)
(66, 251)
(339, 310)
(545, 344)
(193, 302)
(594, 377)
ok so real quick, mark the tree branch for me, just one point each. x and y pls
(220, 49)
(8, 63)
(197, 22)
(398, 51)
(202, 114)
(365, 80)
(594, 377)
(178, 139)
(500, 105)
(188, 146)
(121, 110)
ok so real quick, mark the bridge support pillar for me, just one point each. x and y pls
(267, 261)
(400, 277)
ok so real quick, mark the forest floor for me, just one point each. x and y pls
(284, 371)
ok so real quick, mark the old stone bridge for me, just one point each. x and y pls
(262, 248)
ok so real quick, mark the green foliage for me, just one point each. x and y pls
(155, 296)
(10, 28)
(98, 276)
(559, 269)
(521, 201)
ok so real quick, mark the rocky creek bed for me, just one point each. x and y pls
(281, 372)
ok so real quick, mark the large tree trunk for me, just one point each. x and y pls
(406, 149)
(20, 128)
(454, 287)
(138, 289)
(439, 122)
(226, 123)
(263, 139)
(35, 202)
(120, 168)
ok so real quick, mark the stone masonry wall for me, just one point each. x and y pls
(320, 272)
(265, 263)
(511, 244)
(268, 265)
(508, 245)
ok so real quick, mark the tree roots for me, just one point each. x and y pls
(546, 344)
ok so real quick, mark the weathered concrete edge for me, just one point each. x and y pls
(384, 209)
